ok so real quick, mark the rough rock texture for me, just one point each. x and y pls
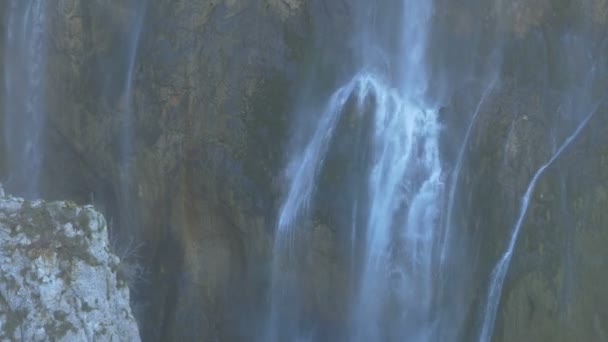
(555, 287)
(551, 73)
(58, 279)
(215, 88)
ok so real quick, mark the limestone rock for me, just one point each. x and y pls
(58, 278)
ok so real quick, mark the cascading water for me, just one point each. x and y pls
(128, 111)
(400, 184)
(405, 186)
(577, 97)
(137, 18)
(394, 292)
(302, 173)
(25, 53)
(497, 277)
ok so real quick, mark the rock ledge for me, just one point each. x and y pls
(58, 278)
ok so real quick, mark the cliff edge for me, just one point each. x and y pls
(58, 278)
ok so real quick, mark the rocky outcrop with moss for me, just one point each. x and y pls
(58, 278)
(213, 88)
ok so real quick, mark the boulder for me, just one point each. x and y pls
(58, 279)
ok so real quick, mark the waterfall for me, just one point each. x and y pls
(303, 170)
(301, 174)
(127, 104)
(405, 185)
(403, 196)
(127, 107)
(497, 277)
(25, 53)
(364, 170)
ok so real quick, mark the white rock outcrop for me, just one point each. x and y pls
(58, 279)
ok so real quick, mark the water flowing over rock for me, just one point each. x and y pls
(58, 279)
(319, 170)
(24, 106)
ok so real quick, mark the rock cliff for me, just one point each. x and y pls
(213, 86)
(58, 278)
(217, 92)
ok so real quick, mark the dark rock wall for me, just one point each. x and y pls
(550, 58)
(217, 87)
(214, 84)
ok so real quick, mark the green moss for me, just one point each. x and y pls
(76, 248)
(14, 320)
(10, 282)
(35, 221)
(66, 276)
(58, 329)
(121, 281)
(8, 249)
(64, 212)
(84, 223)
(70, 205)
(38, 224)
(24, 271)
(103, 331)
(86, 307)
(60, 315)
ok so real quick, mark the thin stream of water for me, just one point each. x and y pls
(456, 175)
(497, 277)
(25, 63)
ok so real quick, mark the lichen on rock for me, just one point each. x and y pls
(58, 277)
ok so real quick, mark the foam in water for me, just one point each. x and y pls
(395, 284)
(404, 188)
(404, 185)
(500, 270)
(302, 173)
(25, 59)
(303, 170)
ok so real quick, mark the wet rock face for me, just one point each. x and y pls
(556, 290)
(213, 86)
(555, 270)
(58, 279)
(551, 70)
